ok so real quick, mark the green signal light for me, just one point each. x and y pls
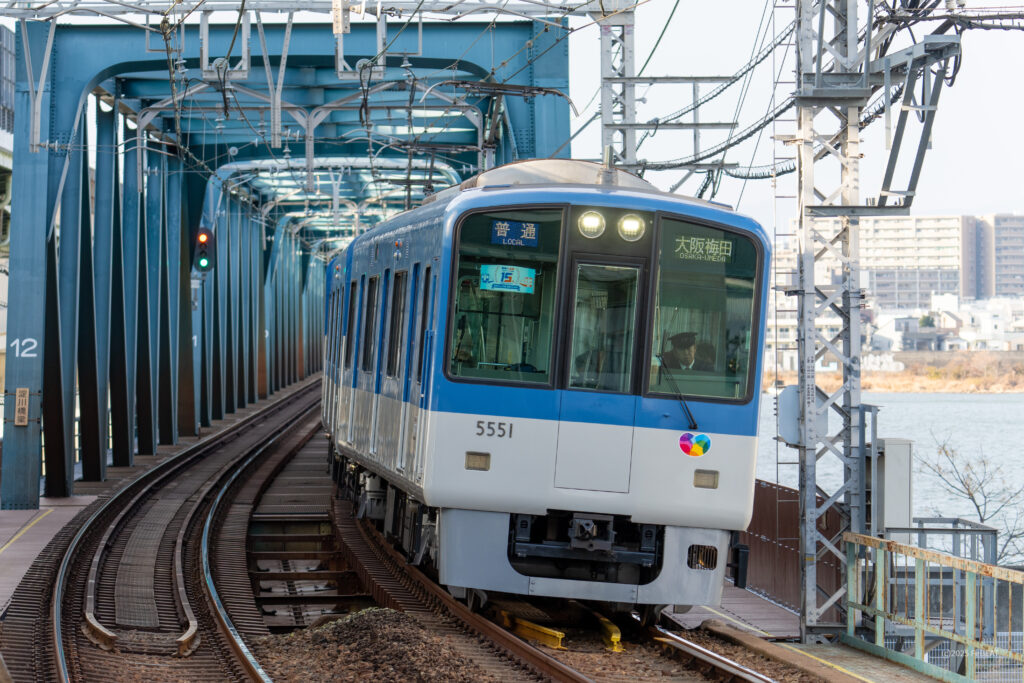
(203, 261)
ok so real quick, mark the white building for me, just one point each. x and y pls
(915, 265)
(994, 325)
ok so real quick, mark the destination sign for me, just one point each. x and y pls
(704, 249)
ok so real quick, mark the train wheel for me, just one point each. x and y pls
(650, 615)
(475, 600)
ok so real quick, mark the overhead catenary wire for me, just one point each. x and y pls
(530, 61)
(767, 171)
(715, 176)
(418, 137)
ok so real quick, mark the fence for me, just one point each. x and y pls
(960, 618)
(774, 540)
(954, 535)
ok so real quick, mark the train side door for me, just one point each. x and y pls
(368, 343)
(335, 349)
(351, 344)
(421, 394)
(408, 363)
(595, 434)
(390, 411)
(375, 387)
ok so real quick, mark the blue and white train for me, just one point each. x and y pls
(545, 382)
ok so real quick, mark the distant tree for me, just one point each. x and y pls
(997, 498)
(926, 321)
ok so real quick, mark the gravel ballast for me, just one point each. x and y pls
(374, 644)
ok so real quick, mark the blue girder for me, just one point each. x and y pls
(103, 295)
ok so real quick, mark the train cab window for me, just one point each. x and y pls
(703, 317)
(369, 324)
(397, 322)
(350, 339)
(604, 320)
(504, 296)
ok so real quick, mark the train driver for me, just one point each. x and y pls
(682, 354)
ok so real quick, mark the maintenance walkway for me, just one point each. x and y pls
(768, 627)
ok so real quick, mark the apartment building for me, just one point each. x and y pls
(1001, 245)
(905, 260)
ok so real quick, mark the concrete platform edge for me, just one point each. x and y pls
(778, 653)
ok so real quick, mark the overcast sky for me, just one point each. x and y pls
(975, 166)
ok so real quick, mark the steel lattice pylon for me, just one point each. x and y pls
(837, 73)
(618, 97)
(833, 123)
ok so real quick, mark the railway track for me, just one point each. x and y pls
(394, 583)
(501, 654)
(164, 580)
(129, 598)
(708, 663)
(614, 647)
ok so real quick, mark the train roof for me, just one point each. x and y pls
(542, 175)
(549, 172)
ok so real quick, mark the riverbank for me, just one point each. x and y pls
(959, 372)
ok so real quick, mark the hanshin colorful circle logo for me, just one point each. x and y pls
(695, 444)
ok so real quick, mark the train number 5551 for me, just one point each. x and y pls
(498, 429)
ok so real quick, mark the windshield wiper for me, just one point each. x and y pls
(679, 394)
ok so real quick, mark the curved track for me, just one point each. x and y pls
(141, 610)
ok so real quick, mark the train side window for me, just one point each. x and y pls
(350, 339)
(424, 314)
(369, 320)
(332, 320)
(397, 322)
(504, 296)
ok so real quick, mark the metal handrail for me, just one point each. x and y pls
(937, 557)
(965, 537)
(873, 566)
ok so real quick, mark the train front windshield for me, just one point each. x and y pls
(665, 311)
(504, 296)
(704, 303)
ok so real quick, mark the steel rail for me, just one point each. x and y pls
(713, 659)
(186, 642)
(143, 482)
(532, 657)
(220, 613)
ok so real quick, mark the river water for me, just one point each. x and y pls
(975, 425)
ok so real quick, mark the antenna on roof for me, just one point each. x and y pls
(607, 167)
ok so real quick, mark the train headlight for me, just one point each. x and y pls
(631, 227)
(591, 224)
